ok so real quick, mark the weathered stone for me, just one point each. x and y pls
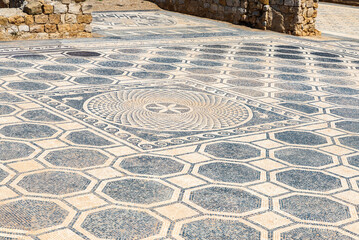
(84, 35)
(84, 18)
(54, 35)
(88, 28)
(48, 9)
(70, 18)
(64, 28)
(3, 21)
(74, 8)
(33, 8)
(60, 8)
(87, 8)
(37, 28)
(24, 28)
(42, 19)
(54, 18)
(17, 20)
(50, 28)
(29, 20)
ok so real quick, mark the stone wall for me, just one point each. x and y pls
(295, 17)
(46, 19)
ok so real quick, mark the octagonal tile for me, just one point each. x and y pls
(229, 172)
(137, 191)
(53, 182)
(14, 150)
(213, 229)
(225, 200)
(118, 223)
(309, 180)
(302, 138)
(232, 150)
(76, 158)
(303, 157)
(32, 215)
(151, 165)
(27, 131)
(313, 208)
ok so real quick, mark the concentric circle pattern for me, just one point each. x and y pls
(168, 110)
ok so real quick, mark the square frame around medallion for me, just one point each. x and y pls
(143, 115)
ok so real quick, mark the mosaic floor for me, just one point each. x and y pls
(173, 127)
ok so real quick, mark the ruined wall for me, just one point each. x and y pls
(295, 17)
(46, 20)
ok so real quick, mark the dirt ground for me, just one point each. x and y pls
(122, 5)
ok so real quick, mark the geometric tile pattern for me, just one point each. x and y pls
(174, 127)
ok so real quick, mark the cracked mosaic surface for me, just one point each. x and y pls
(174, 127)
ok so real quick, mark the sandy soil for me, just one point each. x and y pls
(122, 5)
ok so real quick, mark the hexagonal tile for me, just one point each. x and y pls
(27, 131)
(313, 233)
(351, 126)
(76, 158)
(138, 191)
(351, 141)
(217, 228)
(48, 214)
(229, 172)
(14, 150)
(302, 138)
(41, 116)
(121, 224)
(45, 76)
(86, 137)
(290, 96)
(151, 165)
(346, 112)
(27, 86)
(313, 208)
(353, 160)
(9, 98)
(303, 157)
(53, 183)
(309, 180)
(225, 200)
(4, 110)
(232, 150)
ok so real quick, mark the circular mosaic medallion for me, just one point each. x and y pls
(168, 110)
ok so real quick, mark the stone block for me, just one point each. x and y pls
(24, 28)
(41, 19)
(60, 8)
(70, 18)
(66, 1)
(47, 9)
(63, 28)
(13, 30)
(17, 20)
(54, 18)
(87, 18)
(54, 35)
(3, 21)
(33, 8)
(50, 28)
(37, 28)
(88, 28)
(87, 8)
(73, 27)
(84, 35)
(292, 3)
(75, 8)
(29, 20)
